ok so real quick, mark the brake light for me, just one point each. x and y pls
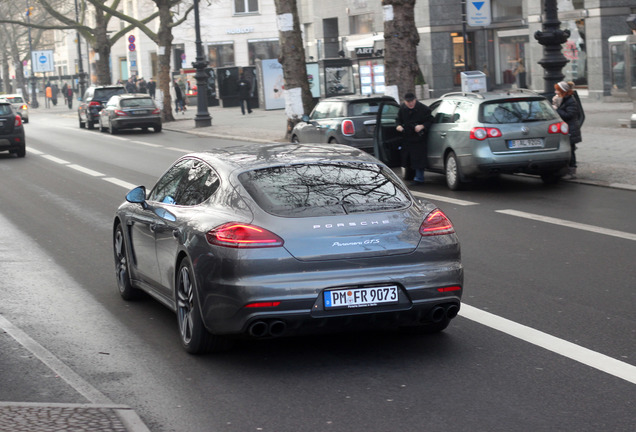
(238, 235)
(18, 121)
(262, 304)
(561, 127)
(120, 113)
(436, 223)
(24, 107)
(95, 103)
(348, 128)
(449, 289)
(156, 111)
(481, 133)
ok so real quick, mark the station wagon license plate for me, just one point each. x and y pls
(140, 112)
(360, 297)
(525, 143)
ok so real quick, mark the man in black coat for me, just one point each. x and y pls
(413, 121)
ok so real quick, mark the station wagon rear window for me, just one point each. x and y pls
(309, 190)
(516, 111)
(138, 102)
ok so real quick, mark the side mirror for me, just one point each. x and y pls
(305, 118)
(137, 195)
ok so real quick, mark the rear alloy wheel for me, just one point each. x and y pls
(194, 336)
(112, 128)
(101, 128)
(453, 173)
(126, 290)
(81, 123)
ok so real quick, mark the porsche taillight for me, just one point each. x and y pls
(436, 223)
(240, 235)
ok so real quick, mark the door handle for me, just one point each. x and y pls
(443, 135)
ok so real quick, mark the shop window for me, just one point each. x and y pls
(361, 24)
(574, 50)
(513, 69)
(263, 50)
(459, 63)
(245, 6)
(221, 55)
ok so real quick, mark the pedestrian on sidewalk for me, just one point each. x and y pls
(567, 107)
(48, 94)
(69, 96)
(413, 121)
(152, 87)
(178, 99)
(244, 94)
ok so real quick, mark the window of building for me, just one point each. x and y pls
(221, 54)
(506, 9)
(263, 49)
(245, 6)
(459, 62)
(574, 50)
(513, 67)
(360, 24)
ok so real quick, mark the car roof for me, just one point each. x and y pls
(254, 156)
(107, 86)
(356, 98)
(11, 95)
(133, 95)
(494, 95)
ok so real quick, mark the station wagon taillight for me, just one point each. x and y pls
(240, 235)
(120, 113)
(481, 133)
(561, 127)
(436, 223)
(95, 103)
(18, 121)
(156, 111)
(348, 128)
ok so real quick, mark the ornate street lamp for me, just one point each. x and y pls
(202, 118)
(552, 37)
(34, 97)
(80, 67)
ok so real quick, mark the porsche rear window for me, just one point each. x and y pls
(309, 190)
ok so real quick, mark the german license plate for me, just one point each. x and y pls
(360, 297)
(141, 112)
(525, 143)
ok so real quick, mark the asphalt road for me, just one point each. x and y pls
(546, 339)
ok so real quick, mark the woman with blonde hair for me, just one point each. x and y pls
(567, 107)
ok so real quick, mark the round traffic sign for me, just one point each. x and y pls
(131, 38)
(131, 47)
(42, 59)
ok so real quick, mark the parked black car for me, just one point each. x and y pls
(11, 130)
(129, 111)
(93, 101)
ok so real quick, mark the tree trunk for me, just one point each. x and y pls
(164, 41)
(102, 47)
(400, 42)
(298, 99)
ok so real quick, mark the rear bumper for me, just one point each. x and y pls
(136, 122)
(12, 142)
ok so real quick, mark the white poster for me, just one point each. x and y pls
(273, 84)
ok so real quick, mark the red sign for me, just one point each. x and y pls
(131, 38)
(131, 47)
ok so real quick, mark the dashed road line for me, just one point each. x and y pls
(569, 224)
(444, 199)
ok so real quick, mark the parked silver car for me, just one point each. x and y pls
(19, 105)
(346, 120)
(485, 134)
(130, 111)
(284, 239)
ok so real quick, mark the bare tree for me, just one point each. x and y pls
(162, 37)
(298, 98)
(400, 41)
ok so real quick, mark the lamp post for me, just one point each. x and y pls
(34, 98)
(552, 37)
(80, 67)
(202, 118)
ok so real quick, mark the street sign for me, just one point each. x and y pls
(131, 47)
(42, 61)
(478, 13)
(131, 38)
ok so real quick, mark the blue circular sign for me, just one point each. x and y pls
(42, 59)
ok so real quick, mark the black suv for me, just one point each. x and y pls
(11, 131)
(93, 101)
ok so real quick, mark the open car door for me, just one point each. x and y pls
(386, 140)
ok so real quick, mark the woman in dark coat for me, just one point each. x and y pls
(568, 108)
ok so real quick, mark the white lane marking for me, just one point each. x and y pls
(55, 364)
(86, 170)
(56, 160)
(444, 199)
(179, 149)
(124, 184)
(118, 138)
(570, 224)
(567, 349)
(34, 151)
(147, 144)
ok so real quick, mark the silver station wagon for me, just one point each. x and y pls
(481, 135)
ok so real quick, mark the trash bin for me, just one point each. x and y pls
(473, 81)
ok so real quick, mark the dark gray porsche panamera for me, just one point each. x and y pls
(286, 239)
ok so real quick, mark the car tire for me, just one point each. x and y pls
(111, 129)
(122, 271)
(452, 172)
(21, 152)
(157, 128)
(90, 124)
(25, 120)
(101, 128)
(81, 123)
(195, 338)
(333, 141)
(295, 140)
